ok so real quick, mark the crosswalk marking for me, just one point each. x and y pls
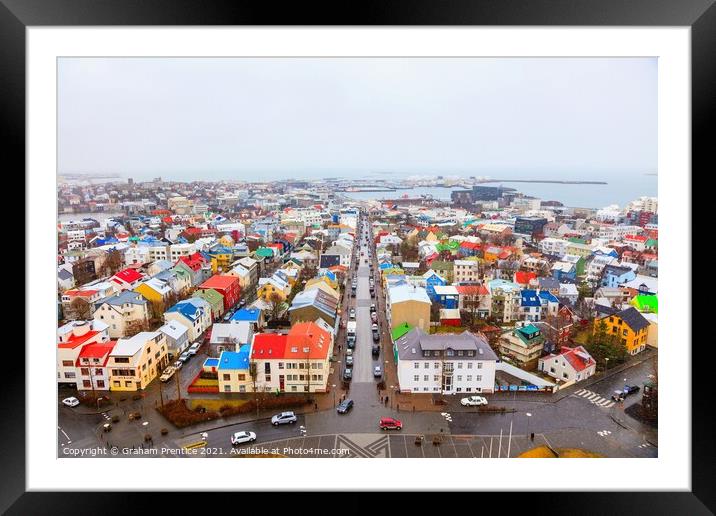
(594, 398)
(604, 433)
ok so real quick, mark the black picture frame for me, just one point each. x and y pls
(700, 15)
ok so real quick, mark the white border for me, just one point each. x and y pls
(670, 471)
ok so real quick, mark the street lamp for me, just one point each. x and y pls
(606, 367)
(529, 415)
(334, 395)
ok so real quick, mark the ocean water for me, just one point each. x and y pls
(618, 190)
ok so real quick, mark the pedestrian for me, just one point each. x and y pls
(413, 408)
(381, 400)
(315, 405)
(386, 401)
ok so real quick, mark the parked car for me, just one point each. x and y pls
(227, 316)
(348, 374)
(374, 316)
(284, 418)
(377, 371)
(376, 336)
(372, 307)
(389, 423)
(353, 313)
(351, 341)
(349, 359)
(71, 401)
(473, 401)
(167, 374)
(628, 390)
(194, 348)
(372, 293)
(344, 406)
(184, 357)
(375, 351)
(374, 326)
(178, 364)
(242, 437)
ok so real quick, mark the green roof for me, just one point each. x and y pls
(211, 296)
(399, 331)
(576, 240)
(652, 242)
(264, 251)
(646, 303)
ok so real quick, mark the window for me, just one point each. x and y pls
(459, 378)
(227, 388)
(450, 352)
(294, 388)
(86, 384)
(416, 365)
(624, 332)
(280, 365)
(84, 371)
(100, 384)
(98, 372)
(436, 378)
(551, 370)
(227, 377)
(267, 368)
(478, 378)
(479, 365)
(67, 363)
(459, 389)
(121, 360)
(469, 365)
(459, 353)
(242, 377)
(437, 365)
(426, 365)
(459, 365)
(416, 378)
(268, 377)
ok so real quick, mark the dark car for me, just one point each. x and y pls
(376, 336)
(348, 374)
(344, 406)
(628, 390)
(375, 350)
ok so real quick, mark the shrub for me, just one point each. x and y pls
(115, 419)
(164, 431)
(177, 412)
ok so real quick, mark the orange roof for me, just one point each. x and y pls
(307, 335)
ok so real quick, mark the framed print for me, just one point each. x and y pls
(419, 240)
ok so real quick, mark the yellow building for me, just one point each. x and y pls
(631, 327)
(408, 304)
(221, 260)
(272, 286)
(133, 363)
(153, 290)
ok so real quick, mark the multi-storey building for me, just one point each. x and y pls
(445, 363)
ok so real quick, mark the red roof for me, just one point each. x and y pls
(128, 275)
(577, 362)
(269, 345)
(97, 350)
(220, 281)
(636, 237)
(471, 290)
(75, 341)
(523, 277)
(307, 335)
(470, 245)
(81, 293)
(194, 261)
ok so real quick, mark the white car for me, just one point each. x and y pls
(473, 401)
(194, 348)
(283, 418)
(167, 374)
(71, 402)
(353, 313)
(243, 437)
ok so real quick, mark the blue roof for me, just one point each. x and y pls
(547, 296)
(529, 298)
(186, 308)
(247, 314)
(211, 362)
(235, 359)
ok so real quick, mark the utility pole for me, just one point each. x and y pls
(509, 440)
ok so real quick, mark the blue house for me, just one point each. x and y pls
(447, 296)
(613, 275)
(530, 305)
(254, 316)
(433, 279)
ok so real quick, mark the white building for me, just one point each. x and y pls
(447, 363)
(553, 246)
(466, 271)
(569, 365)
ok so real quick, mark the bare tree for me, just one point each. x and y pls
(80, 309)
(276, 306)
(134, 326)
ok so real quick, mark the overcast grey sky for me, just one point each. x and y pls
(204, 117)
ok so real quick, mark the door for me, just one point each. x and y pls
(280, 383)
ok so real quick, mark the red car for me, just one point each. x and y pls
(388, 423)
